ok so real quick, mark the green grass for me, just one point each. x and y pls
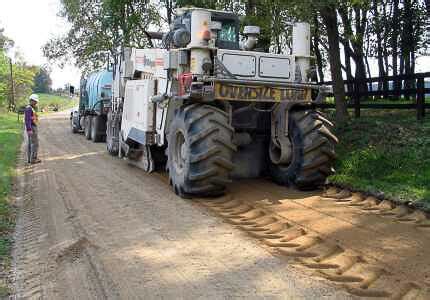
(330, 100)
(386, 152)
(10, 141)
(47, 102)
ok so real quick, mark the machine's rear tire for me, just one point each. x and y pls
(87, 129)
(313, 151)
(200, 151)
(112, 144)
(96, 123)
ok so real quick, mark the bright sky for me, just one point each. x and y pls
(31, 23)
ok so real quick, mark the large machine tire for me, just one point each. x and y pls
(87, 129)
(96, 123)
(313, 151)
(112, 144)
(200, 151)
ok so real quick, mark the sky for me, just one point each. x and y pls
(31, 23)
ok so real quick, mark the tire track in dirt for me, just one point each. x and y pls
(294, 228)
(27, 267)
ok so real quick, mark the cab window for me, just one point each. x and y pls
(227, 32)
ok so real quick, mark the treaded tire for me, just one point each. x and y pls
(111, 145)
(96, 123)
(313, 151)
(72, 126)
(200, 151)
(87, 129)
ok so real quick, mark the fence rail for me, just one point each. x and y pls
(391, 86)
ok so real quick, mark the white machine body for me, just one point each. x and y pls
(302, 47)
(142, 120)
(258, 66)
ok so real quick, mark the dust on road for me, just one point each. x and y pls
(92, 227)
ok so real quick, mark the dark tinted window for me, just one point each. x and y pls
(228, 32)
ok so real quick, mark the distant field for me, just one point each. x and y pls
(50, 102)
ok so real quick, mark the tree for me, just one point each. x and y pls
(42, 81)
(100, 28)
(329, 16)
(23, 76)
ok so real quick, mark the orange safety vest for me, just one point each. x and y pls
(34, 118)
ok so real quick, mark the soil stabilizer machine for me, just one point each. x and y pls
(211, 108)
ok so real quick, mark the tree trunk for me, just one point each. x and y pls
(407, 42)
(395, 46)
(250, 7)
(348, 71)
(318, 55)
(380, 53)
(329, 17)
(369, 73)
(169, 10)
(315, 44)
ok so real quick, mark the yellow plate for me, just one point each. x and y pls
(236, 92)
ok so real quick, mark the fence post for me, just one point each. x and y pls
(356, 98)
(421, 97)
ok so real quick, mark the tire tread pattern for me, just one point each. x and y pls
(313, 151)
(209, 157)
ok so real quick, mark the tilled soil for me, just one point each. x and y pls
(92, 227)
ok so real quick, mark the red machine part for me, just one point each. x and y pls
(185, 80)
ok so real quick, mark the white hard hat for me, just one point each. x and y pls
(34, 97)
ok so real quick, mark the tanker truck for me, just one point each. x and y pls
(94, 103)
(211, 108)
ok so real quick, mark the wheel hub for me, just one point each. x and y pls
(280, 154)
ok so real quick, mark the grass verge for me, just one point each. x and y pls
(10, 141)
(386, 152)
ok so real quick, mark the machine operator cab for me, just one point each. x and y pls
(223, 28)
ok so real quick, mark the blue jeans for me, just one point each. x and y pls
(33, 145)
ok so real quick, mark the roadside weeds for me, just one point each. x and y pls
(10, 141)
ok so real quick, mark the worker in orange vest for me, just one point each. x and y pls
(31, 123)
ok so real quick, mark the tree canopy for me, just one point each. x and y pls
(12, 96)
(42, 81)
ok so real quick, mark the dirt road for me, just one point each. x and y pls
(92, 227)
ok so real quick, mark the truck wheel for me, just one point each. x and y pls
(313, 151)
(96, 123)
(87, 129)
(200, 151)
(111, 141)
(72, 125)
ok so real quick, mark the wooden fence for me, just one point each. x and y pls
(393, 87)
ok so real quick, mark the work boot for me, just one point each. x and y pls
(35, 161)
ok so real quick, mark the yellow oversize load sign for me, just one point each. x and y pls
(236, 92)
